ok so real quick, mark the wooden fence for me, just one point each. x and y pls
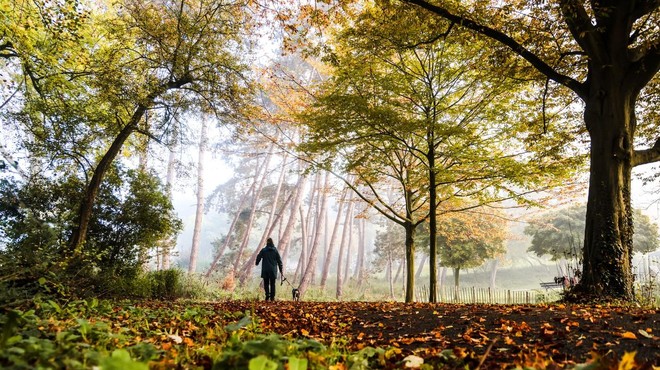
(478, 295)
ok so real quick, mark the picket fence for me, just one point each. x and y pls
(478, 295)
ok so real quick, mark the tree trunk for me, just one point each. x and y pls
(169, 244)
(199, 214)
(349, 245)
(342, 245)
(253, 211)
(246, 269)
(398, 271)
(313, 252)
(457, 271)
(390, 275)
(421, 266)
(607, 254)
(359, 266)
(303, 241)
(433, 216)
(79, 234)
(333, 240)
(493, 273)
(293, 215)
(410, 261)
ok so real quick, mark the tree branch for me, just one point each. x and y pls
(646, 156)
(578, 87)
(646, 67)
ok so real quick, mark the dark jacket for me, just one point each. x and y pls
(272, 261)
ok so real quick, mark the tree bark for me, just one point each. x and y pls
(342, 246)
(333, 240)
(457, 272)
(607, 254)
(293, 215)
(313, 252)
(199, 214)
(168, 245)
(410, 261)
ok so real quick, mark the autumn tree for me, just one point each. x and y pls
(133, 57)
(469, 239)
(606, 53)
(417, 121)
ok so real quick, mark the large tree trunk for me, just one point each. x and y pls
(457, 271)
(199, 214)
(607, 254)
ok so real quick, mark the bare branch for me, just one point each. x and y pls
(578, 87)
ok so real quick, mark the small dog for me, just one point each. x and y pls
(296, 294)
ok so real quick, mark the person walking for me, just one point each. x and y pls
(272, 261)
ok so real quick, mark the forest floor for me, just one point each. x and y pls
(287, 335)
(484, 336)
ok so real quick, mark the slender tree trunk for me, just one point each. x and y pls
(359, 266)
(410, 261)
(390, 274)
(333, 240)
(293, 215)
(246, 270)
(421, 266)
(313, 253)
(349, 246)
(342, 245)
(443, 276)
(199, 215)
(303, 241)
(493, 273)
(169, 245)
(253, 211)
(457, 271)
(433, 216)
(398, 271)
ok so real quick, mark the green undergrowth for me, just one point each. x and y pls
(123, 335)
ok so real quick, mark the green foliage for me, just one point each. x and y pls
(132, 216)
(125, 335)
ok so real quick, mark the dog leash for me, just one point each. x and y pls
(287, 281)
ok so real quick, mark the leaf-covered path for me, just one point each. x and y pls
(499, 335)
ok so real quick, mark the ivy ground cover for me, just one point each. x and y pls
(326, 335)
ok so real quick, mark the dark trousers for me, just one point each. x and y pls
(269, 287)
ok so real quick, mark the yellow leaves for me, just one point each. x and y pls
(338, 366)
(628, 361)
(628, 335)
(304, 332)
